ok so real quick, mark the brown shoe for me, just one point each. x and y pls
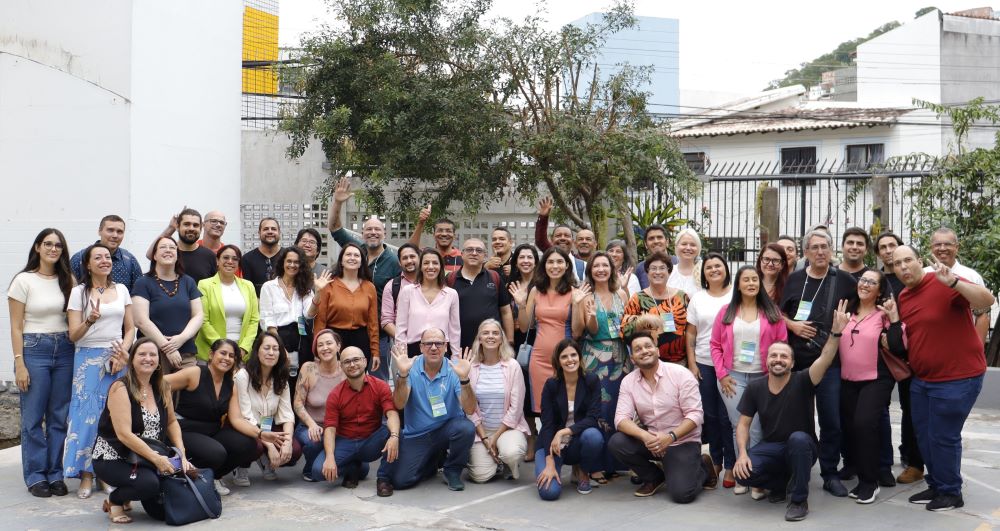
(350, 482)
(383, 488)
(711, 478)
(910, 475)
(648, 489)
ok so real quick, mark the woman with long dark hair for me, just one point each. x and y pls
(229, 304)
(313, 386)
(139, 407)
(348, 305)
(772, 266)
(265, 402)
(624, 265)
(43, 359)
(743, 331)
(100, 317)
(524, 260)
(285, 300)
(428, 304)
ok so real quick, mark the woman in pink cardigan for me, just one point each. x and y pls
(741, 335)
(428, 304)
(501, 430)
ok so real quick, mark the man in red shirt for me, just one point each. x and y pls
(948, 362)
(354, 434)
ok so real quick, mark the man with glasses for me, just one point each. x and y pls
(125, 268)
(215, 228)
(809, 301)
(353, 433)
(480, 293)
(944, 247)
(435, 397)
(258, 264)
(948, 360)
(199, 262)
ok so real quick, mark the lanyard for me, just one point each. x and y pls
(806, 283)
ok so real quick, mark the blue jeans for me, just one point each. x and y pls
(310, 450)
(419, 456)
(383, 353)
(939, 411)
(587, 450)
(828, 411)
(353, 455)
(717, 426)
(775, 463)
(742, 380)
(49, 360)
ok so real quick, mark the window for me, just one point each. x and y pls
(863, 156)
(798, 160)
(697, 162)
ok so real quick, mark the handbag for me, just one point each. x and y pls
(155, 445)
(187, 500)
(898, 367)
(524, 350)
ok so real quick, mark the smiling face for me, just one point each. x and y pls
(791, 251)
(409, 259)
(586, 242)
(473, 252)
(432, 346)
(444, 235)
(166, 252)
(327, 347)
(687, 248)
(50, 249)
(430, 267)
(562, 238)
(868, 286)
(189, 229)
(228, 262)
(601, 269)
(658, 273)
(112, 233)
(307, 242)
(569, 360)
(215, 224)
(771, 263)
(555, 266)
(855, 248)
(373, 232)
(350, 260)
(269, 352)
(748, 283)
(645, 354)
(490, 336)
(780, 359)
(223, 358)
(617, 255)
(99, 264)
(944, 247)
(656, 241)
(291, 265)
(269, 232)
(353, 362)
(146, 359)
(715, 272)
(500, 242)
(526, 262)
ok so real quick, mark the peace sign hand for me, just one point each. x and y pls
(943, 274)
(840, 317)
(95, 313)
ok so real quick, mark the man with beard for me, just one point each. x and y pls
(502, 242)
(215, 228)
(258, 264)
(198, 261)
(855, 244)
(885, 244)
(409, 260)
(657, 239)
(666, 400)
(353, 433)
(948, 360)
(562, 237)
(944, 247)
(783, 402)
(809, 302)
(480, 294)
(125, 268)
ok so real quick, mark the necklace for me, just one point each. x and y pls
(45, 275)
(169, 293)
(101, 289)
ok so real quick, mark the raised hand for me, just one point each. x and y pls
(890, 309)
(425, 213)
(342, 191)
(581, 293)
(321, 280)
(95, 313)
(943, 274)
(623, 277)
(462, 366)
(840, 317)
(544, 206)
(403, 361)
(519, 291)
(590, 308)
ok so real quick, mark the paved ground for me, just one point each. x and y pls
(291, 504)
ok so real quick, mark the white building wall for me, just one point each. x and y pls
(902, 64)
(114, 107)
(970, 67)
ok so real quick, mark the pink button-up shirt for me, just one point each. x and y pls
(389, 303)
(414, 315)
(662, 408)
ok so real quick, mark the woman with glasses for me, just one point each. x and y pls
(309, 240)
(772, 267)
(168, 306)
(660, 309)
(866, 383)
(43, 359)
(316, 380)
(428, 304)
(229, 304)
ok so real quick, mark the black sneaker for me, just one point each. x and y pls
(923, 497)
(945, 502)
(885, 478)
(866, 493)
(58, 488)
(847, 473)
(776, 496)
(797, 511)
(835, 487)
(40, 490)
(853, 494)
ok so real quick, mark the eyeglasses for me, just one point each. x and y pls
(867, 281)
(52, 245)
(943, 245)
(352, 361)
(657, 270)
(474, 250)
(432, 344)
(230, 259)
(307, 243)
(770, 261)
(216, 222)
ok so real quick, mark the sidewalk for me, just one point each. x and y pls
(292, 504)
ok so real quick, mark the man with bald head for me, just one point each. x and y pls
(214, 229)
(944, 247)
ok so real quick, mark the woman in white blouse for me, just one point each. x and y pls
(265, 401)
(686, 275)
(428, 304)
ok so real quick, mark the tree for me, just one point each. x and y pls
(811, 73)
(582, 132)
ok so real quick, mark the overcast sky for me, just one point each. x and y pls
(728, 46)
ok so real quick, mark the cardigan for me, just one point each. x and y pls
(722, 341)
(555, 408)
(214, 325)
(513, 400)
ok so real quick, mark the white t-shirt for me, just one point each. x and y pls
(701, 312)
(234, 306)
(746, 345)
(490, 392)
(109, 327)
(683, 282)
(43, 303)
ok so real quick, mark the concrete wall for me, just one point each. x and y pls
(970, 67)
(114, 107)
(902, 64)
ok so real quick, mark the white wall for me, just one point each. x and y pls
(902, 64)
(114, 106)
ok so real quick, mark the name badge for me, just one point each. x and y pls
(802, 313)
(438, 407)
(668, 322)
(266, 423)
(301, 321)
(747, 351)
(614, 326)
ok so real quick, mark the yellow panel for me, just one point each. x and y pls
(260, 43)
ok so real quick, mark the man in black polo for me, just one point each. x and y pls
(480, 293)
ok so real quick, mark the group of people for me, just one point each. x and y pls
(472, 362)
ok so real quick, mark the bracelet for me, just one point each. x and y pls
(464, 382)
(391, 435)
(953, 284)
(401, 376)
(837, 334)
(259, 433)
(674, 435)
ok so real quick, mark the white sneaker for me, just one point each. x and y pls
(265, 467)
(241, 477)
(221, 489)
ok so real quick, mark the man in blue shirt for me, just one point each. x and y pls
(125, 268)
(435, 397)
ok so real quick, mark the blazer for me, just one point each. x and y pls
(513, 400)
(722, 341)
(214, 325)
(555, 408)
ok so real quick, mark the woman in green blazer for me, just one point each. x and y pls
(230, 306)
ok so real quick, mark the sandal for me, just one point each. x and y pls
(84, 492)
(116, 513)
(598, 477)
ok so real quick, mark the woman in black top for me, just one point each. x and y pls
(215, 434)
(571, 405)
(139, 406)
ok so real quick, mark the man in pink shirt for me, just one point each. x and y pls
(666, 398)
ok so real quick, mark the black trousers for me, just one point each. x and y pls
(682, 466)
(145, 487)
(861, 405)
(908, 446)
(222, 450)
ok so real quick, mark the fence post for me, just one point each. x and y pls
(880, 202)
(768, 215)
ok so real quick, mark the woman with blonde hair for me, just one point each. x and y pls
(686, 275)
(498, 382)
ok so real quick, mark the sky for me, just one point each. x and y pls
(734, 47)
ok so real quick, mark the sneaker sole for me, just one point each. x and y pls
(868, 500)
(638, 494)
(942, 509)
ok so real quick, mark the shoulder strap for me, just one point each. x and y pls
(397, 284)
(495, 277)
(449, 279)
(830, 295)
(197, 493)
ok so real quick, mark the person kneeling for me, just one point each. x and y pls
(784, 402)
(571, 405)
(666, 398)
(435, 398)
(354, 434)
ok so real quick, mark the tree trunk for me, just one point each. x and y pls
(625, 220)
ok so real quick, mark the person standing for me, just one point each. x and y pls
(258, 264)
(480, 293)
(215, 228)
(657, 240)
(685, 275)
(855, 244)
(409, 261)
(562, 237)
(944, 388)
(428, 304)
(199, 262)
(125, 268)
(660, 307)
(230, 306)
(944, 247)
(284, 302)
(773, 270)
(43, 359)
(791, 252)
(622, 261)
(311, 243)
(502, 242)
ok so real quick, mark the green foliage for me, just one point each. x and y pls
(645, 211)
